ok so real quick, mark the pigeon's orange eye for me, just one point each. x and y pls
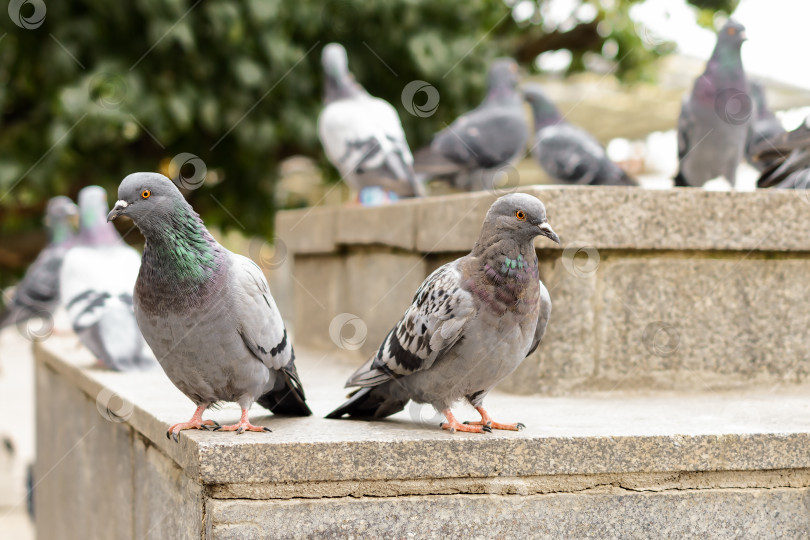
(520, 215)
(732, 31)
(145, 194)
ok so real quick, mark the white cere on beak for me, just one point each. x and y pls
(121, 204)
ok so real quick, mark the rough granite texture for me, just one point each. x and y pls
(603, 464)
(653, 290)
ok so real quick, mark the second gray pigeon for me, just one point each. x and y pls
(471, 323)
(478, 145)
(206, 312)
(764, 127)
(567, 153)
(96, 281)
(713, 124)
(37, 295)
(788, 156)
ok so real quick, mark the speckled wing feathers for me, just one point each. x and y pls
(433, 323)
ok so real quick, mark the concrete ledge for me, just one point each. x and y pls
(677, 290)
(706, 463)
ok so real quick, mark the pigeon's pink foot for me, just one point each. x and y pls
(196, 422)
(243, 425)
(486, 420)
(454, 425)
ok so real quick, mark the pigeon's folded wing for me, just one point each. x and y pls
(568, 153)
(260, 323)
(37, 295)
(542, 321)
(433, 323)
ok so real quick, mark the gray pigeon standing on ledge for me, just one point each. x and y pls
(477, 145)
(37, 295)
(713, 124)
(567, 153)
(471, 323)
(207, 313)
(764, 127)
(97, 279)
(361, 134)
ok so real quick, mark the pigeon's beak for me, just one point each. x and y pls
(743, 36)
(547, 231)
(117, 210)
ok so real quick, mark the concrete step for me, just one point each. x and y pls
(600, 465)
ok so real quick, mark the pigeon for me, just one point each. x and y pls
(37, 295)
(207, 313)
(567, 153)
(362, 134)
(471, 323)
(788, 156)
(714, 118)
(97, 281)
(478, 145)
(764, 127)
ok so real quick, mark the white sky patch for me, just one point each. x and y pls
(776, 32)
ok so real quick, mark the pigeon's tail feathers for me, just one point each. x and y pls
(374, 402)
(287, 399)
(680, 180)
(369, 375)
(401, 169)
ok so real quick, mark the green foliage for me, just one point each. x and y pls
(102, 89)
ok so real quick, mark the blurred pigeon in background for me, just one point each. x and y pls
(788, 156)
(471, 323)
(713, 124)
(97, 281)
(567, 153)
(361, 134)
(477, 145)
(764, 126)
(206, 312)
(37, 295)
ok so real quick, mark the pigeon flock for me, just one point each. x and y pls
(205, 315)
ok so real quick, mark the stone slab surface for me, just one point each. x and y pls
(605, 217)
(779, 513)
(599, 434)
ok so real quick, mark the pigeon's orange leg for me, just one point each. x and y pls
(486, 420)
(243, 425)
(196, 422)
(454, 425)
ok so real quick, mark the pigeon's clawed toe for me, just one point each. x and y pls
(244, 425)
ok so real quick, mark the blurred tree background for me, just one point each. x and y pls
(100, 89)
